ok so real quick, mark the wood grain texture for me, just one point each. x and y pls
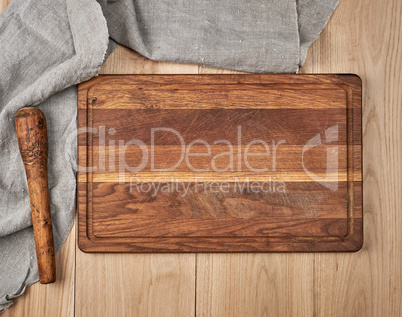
(55, 299)
(291, 214)
(362, 37)
(31, 128)
(136, 284)
(366, 38)
(255, 285)
(252, 284)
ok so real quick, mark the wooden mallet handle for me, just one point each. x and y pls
(31, 129)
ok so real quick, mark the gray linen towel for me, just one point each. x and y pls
(46, 46)
(263, 36)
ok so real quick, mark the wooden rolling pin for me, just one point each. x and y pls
(31, 129)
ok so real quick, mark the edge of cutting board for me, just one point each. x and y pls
(352, 242)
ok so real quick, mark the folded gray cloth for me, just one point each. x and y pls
(47, 46)
(263, 36)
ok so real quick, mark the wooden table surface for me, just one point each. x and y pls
(362, 37)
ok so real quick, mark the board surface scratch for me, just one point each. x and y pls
(220, 163)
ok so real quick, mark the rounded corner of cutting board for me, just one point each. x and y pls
(353, 84)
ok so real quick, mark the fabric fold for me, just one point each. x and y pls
(47, 47)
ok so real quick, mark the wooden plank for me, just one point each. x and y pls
(118, 221)
(266, 124)
(360, 38)
(106, 158)
(254, 284)
(306, 192)
(365, 38)
(212, 97)
(135, 284)
(55, 299)
(165, 156)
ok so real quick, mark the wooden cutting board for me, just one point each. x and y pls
(220, 163)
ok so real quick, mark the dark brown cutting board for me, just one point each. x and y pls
(220, 163)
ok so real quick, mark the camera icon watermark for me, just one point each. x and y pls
(331, 178)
